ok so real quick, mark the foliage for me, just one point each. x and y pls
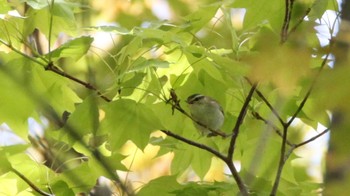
(93, 103)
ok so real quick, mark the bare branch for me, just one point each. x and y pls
(196, 144)
(311, 139)
(239, 121)
(281, 163)
(287, 17)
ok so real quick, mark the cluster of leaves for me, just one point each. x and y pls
(200, 54)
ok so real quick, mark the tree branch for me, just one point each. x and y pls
(281, 163)
(196, 144)
(287, 17)
(284, 156)
(227, 160)
(242, 187)
(239, 121)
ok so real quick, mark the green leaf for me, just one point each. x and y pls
(61, 187)
(15, 104)
(317, 10)
(153, 34)
(181, 161)
(164, 185)
(81, 178)
(228, 66)
(5, 165)
(127, 120)
(260, 12)
(59, 96)
(201, 162)
(174, 122)
(141, 63)
(74, 49)
(62, 14)
(34, 172)
(4, 7)
(84, 120)
(287, 187)
(38, 4)
(33, 89)
(196, 58)
(129, 50)
(198, 19)
(267, 152)
(8, 186)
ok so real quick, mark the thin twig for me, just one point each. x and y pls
(286, 21)
(268, 104)
(269, 123)
(311, 139)
(239, 121)
(55, 69)
(301, 106)
(51, 67)
(32, 185)
(294, 28)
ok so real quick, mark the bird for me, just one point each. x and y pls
(207, 114)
